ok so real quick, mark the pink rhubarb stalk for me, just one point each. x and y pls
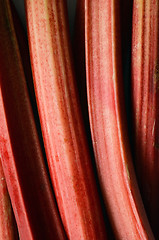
(61, 122)
(8, 230)
(145, 101)
(108, 122)
(25, 172)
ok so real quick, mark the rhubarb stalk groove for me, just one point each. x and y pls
(108, 121)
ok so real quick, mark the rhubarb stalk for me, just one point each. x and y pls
(8, 228)
(23, 164)
(108, 121)
(145, 101)
(61, 122)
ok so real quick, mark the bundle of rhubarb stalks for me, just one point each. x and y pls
(79, 121)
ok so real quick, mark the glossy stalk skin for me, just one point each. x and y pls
(145, 101)
(8, 230)
(60, 116)
(25, 172)
(108, 122)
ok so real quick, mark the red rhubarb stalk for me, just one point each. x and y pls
(145, 100)
(8, 228)
(62, 126)
(108, 124)
(25, 172)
